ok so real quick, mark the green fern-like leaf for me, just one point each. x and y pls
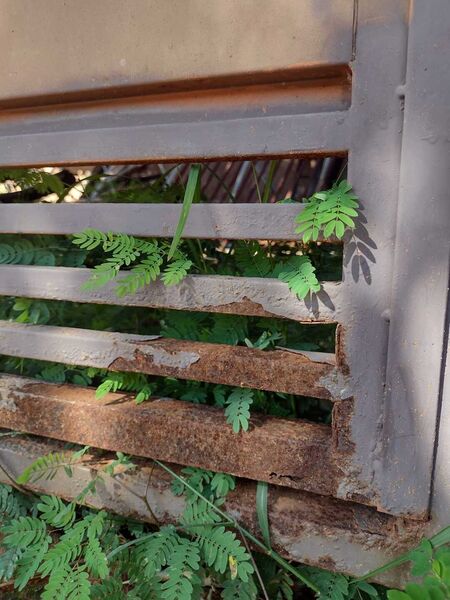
(236, 589)
(154, 552)
(29, 563)
(103, 274)
(24, 532)
(67, 583)
(199, 514)
(197, 478)
(66, 550)
(11, 504)
(55, 512)
(58, 585)
(89, 239)
(221, 550)
(142, 274)
(108, 589)
(16, 251)
(184, 562)
(222, 483)
(337, 207)
(8, 562)
(252, 259)
(95, 559)
(176, 271)
(237, 411)
(122, 246)
(42, 181)
(228, 329)
(46, 467)
(299, 274)
(331, 212)
(53, 373)
(181, 325)
(332, 586)
(309, 220)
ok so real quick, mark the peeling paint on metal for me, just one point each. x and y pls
(338, 384)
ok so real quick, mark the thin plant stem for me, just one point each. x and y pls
(276, 557)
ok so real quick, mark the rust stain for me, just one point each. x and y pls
(291, 453)
(275, 370)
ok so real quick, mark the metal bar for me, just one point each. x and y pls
(253, 296)
(278, 370)
(374, 161)
(172, 430)
(419, 317)
(205, 221)
(307, 528)
(109, 142)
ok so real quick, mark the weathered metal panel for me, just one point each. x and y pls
(376, 120)
(295, 372)
(205, 221)
(253, 296)
(418, 326)
(127, 87)
(304, 527)
(110, 45)
(296, 453)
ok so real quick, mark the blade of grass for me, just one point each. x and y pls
(268, 185)
(261, 510)
(192, 189)
(255, 177)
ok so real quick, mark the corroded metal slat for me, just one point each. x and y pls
(308, 528)
(291, 453)
(253, 296)
(205, 221)
(278, 370)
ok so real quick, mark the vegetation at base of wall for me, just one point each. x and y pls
(70, 551)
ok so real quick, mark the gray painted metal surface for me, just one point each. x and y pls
(255, 296)
(374, 161)
(419, 316)
(227, 221)
(109, 142)
(120, 46)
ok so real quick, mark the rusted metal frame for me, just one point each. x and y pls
(173, 430)
(374, 159)
(419, 307)
(317, 530)
(252, 296)
(278, 370)
(205, 221)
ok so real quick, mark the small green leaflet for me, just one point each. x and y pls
(300, 275)
(331, 213)
(237, 411)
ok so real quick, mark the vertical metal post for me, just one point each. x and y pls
(374, 159)
(421, 268)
